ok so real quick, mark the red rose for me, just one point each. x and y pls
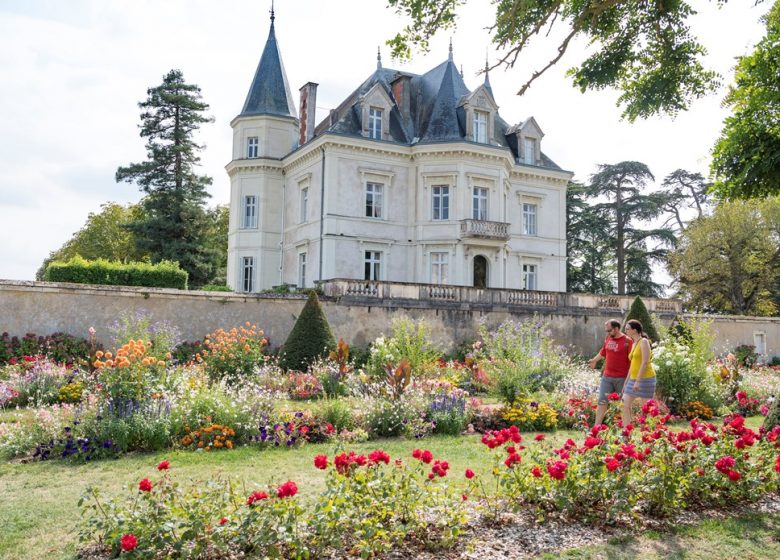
(557, 470)
(378, 456)
(613, 397)
(164, 466)
(145, 485)
(777, 464)
(591, 442)
(725, 464)
(128, 542)
(512, 460)
(321, 462)
(256, 497)
(537, 472)
(223, 520)
(734, 476)
(470, 473)
(539, 437)
(416, 454)
(612, 464)
(464, 497)
(287, 490)
(426, 457)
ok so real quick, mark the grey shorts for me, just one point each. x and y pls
(610, 385)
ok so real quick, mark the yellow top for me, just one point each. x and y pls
(636, 362)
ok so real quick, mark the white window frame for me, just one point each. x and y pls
(375, 115)
(529, 150)
(372, 260)
(302, 270)
(247, 274)
(252, 147)
(374, 200)
(440, 202)
(480, 126)
(759, 341)
(479, 203)
(530, 276)
(304, 205)
(440, 267)
(249, 217)
(530, 213)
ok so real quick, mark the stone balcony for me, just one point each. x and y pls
(484, 229)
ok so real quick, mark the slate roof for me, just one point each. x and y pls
(435, 114)
(269, 93)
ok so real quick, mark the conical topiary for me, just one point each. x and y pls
(639, 312)
(773, 418)
(309, 339)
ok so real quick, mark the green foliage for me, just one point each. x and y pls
(310, 338)
(161, 336)
(682, 377)
(646, 51)
(745, 355)
(686, 192)
(105, 235)
(410, 341)
(215, 288)
(639, 312)
(773, 418)
(165, 274)
(233, 354)
(338, 413)
(744, 159)
(60, 347)
(620, 190)
(174, 224)
(589, 267)
(728, 262)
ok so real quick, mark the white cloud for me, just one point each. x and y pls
(77, 70)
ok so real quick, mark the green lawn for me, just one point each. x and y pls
(39, 514)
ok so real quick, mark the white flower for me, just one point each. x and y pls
(668, 363)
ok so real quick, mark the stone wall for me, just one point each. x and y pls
(44, 308)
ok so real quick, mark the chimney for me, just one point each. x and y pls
(308, 109)
(402, 93)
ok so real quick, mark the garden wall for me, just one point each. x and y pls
(45, 308)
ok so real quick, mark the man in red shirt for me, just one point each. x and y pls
(615, 351)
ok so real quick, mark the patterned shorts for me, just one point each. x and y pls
(646, 388)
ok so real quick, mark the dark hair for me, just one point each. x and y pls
(637, 326)
(614, 323)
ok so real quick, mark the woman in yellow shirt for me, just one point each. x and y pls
(641, 382)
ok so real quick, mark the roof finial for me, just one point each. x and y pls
(450, 57)
(378, 58)
(273, 17)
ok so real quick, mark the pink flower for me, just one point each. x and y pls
(128, 542)
(287, 490)
(321, 462)
(145, 485)
(164, 465)
(469, 474)
(256, 497)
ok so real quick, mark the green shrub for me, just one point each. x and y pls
(682, 376)
(338, 413)
(409, 341)
(639, 312)
(215, 288)
(165, 274)
(310, 338)
(773, 418)
(746, 355)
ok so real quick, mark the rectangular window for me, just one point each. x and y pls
(480, 127)
(301, 270)
(479, 206)
(304, 204)
(439, 268)
(248, 274)
(759, 341)
(375, 123)
(252, 146)
(249, 214)
(529, 219)
(530, 150)
(441, 202)
(374, 200)
(373, 262)
(529, 277)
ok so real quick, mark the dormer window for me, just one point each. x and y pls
(252, 146)
(480, 127)
(375, 123)
(529, 145)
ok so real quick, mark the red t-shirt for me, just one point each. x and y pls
(616, 350)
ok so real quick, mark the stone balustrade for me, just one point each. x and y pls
(484, 229)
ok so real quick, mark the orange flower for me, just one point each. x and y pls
(99, 354)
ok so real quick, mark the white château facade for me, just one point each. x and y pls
(413, 178)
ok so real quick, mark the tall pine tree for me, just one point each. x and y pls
(174, 225)
(589, 266)
(621, 185)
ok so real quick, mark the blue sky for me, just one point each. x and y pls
(73, 72)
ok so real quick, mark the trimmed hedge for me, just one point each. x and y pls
(165, 274)
(310, 338)
(639, 312)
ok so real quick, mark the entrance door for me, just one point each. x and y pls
(480, 272)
